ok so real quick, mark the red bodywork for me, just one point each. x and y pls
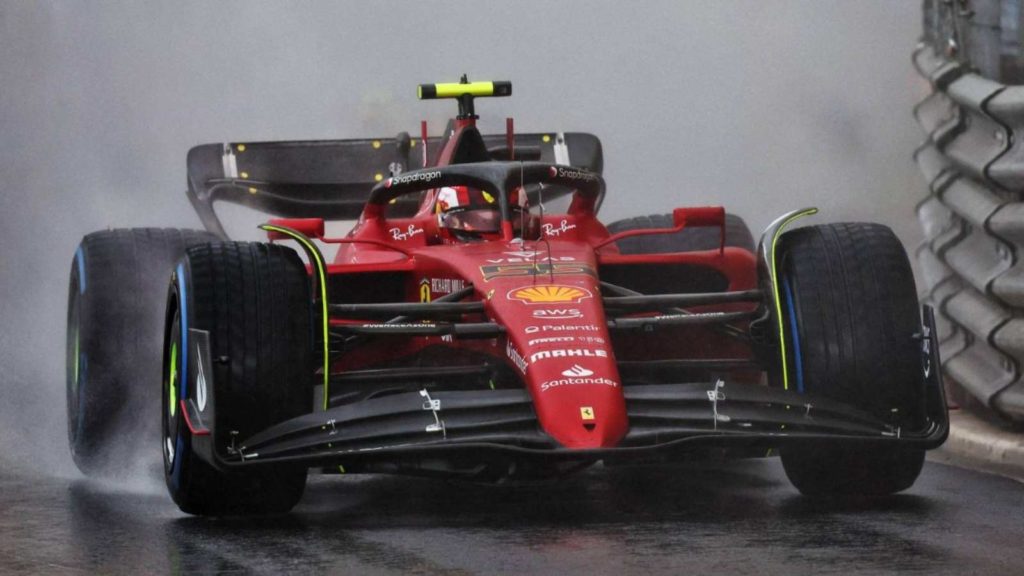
(547, 295)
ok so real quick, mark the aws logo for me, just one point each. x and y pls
(557, 314)
(549, 294)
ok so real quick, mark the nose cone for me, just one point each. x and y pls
(583, 412)
(558, 339)
(548, 299)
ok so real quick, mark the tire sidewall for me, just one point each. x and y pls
(76, 368)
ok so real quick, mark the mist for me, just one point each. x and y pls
(758, 106)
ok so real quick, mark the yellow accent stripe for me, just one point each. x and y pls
(172, 390)
(455, 89)
(775, 293)
(321, 271)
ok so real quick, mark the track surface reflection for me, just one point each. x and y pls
(737, 518)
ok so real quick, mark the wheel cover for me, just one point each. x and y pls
(171, 422)
(172, 388)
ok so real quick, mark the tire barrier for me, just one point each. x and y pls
(972, 260)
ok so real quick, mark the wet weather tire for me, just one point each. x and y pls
(116, 302)
(849, 291)
(253, 301)
(737, 234)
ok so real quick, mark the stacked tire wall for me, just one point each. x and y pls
(972, 159)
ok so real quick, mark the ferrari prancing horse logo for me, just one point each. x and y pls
(586, 412)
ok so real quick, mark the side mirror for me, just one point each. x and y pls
(310, 227)
(703, 216)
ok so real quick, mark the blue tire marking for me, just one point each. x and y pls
(182, 378)
(83, 358)
(80, 259)
(797, 357)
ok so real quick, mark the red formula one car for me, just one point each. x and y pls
(479, 321)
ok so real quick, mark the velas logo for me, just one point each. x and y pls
(577, 371)
(549, 294)
(413, 177)
(541, 268)
(518, 260)
(524, 254)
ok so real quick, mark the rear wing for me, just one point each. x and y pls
(332, 179)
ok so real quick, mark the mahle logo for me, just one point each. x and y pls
(549, 294)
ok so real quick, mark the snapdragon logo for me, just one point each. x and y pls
(572, 174)
(413, 177)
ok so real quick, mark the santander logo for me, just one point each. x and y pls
(577, 371)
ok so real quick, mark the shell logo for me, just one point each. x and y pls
(549, 294)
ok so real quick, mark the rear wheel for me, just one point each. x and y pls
(253, 302)
(851, 310)
(115, 312)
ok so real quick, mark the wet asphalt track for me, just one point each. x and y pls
(740, 518)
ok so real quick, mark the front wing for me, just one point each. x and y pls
(665, 420)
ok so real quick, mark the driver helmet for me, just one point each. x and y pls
(467, 213)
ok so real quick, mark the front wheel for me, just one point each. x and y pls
(251, 303)
(851, 312)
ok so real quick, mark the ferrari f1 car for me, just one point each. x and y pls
(480, 322)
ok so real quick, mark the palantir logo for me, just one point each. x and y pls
(577, 371)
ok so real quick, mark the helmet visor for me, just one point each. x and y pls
(481, 220)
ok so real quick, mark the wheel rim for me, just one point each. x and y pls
(170, 396)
